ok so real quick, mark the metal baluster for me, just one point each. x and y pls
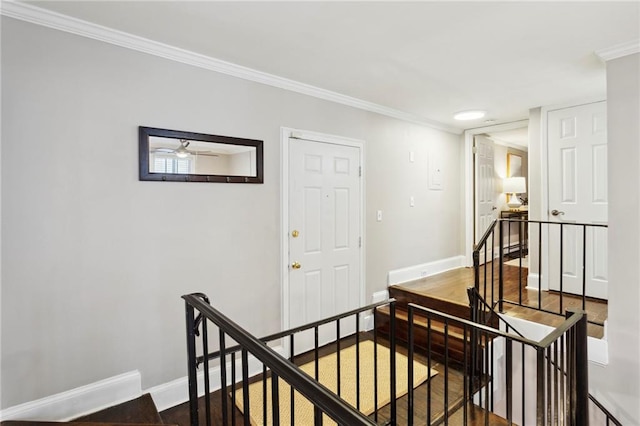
(492, 267)
(584, 267)
(465, 375)
(549, 393)
(293, 394)
(486, 371)
(245, 388)
(524, 390)
(446, 371)
(392, 362)
(540, 386)
(315, 352)
(410, 370)
(358, 361)
(233, 387)
(563, 380)
(192, 364)
(275, 400)
(429, 368)
(338, 354)
(264, 394)
(561, 267)
(375, 366)
(223, 376)
(540, 265)
(207, 385)
(509, 378)
(501, 271)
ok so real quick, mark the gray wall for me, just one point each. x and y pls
(618, 384)
(94, 261)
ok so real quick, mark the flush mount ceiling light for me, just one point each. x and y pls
(469, 115)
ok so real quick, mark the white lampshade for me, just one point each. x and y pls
(514, 185)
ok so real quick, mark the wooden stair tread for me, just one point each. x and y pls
(421, 294)
(141, 410)
(476, 417)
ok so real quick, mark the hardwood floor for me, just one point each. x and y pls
(446, 397)
(452, 285)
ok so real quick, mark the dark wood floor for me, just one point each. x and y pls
(452, 285)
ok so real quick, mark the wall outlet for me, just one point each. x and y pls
(379, 215)
(412, 202)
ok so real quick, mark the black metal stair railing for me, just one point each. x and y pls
(489, 275)
(557, 365)
(276, 366)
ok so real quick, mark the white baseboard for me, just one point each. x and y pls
(533, 282)
(378, 296)
(176, 392)
(77, 402)
(416, 272)
(106, 393)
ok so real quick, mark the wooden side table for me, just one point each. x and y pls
(518, 247)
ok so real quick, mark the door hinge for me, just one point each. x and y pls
(475, 150)
(360, 242)
(360, 171)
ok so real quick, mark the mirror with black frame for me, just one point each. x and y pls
(173, 155)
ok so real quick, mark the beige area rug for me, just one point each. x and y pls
(328, 374)
(516, 262)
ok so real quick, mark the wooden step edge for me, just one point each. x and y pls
(437, 326)
(401, 289)
(476, 416)
(421, 321)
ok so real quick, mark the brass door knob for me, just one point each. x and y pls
(295, 233)
(296, 265)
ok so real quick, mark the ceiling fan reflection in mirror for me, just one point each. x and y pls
(182, 151)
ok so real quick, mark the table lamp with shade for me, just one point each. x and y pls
(514, 186)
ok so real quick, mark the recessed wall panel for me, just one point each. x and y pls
(313, 163)
(313, 293)
(598, 123)
(572, 247)
(599, 174)
(568, 175)
(341, 214)
(312, 219)
(600, 254)
(568, 128)
(341, 165)
(341, 287)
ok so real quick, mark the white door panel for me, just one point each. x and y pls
(485, 190)
(577, 143)
(325, 200)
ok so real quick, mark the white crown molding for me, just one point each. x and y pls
(619, 50)
(35, 15)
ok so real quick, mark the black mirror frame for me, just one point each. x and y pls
(146, 175)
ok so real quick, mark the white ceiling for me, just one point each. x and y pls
(430, 59)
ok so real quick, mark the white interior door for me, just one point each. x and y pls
(577, 147)
(485, 191)
(324, 235)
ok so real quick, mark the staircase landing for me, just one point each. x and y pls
(451, 287)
